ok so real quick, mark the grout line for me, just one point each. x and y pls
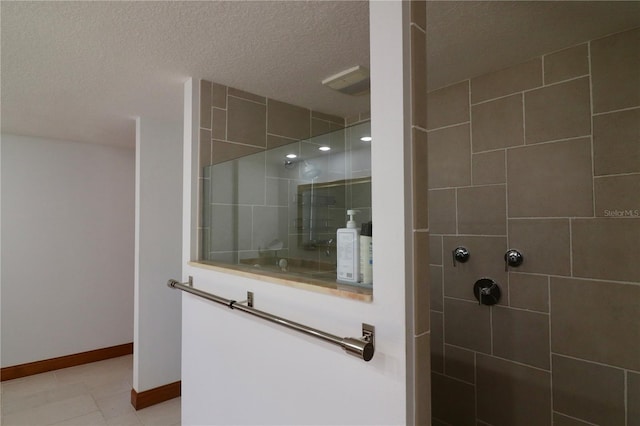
(470, 135)
(532, 89)
(515, 308)
(524, 121)
(593, 167)
(468, 186)
(456, 208)
(413, 126)
(454, 378)
(448, 126)
(615, 367)
(542, 64)
(475, 379)
(264, 104)
(626, 397)
(486, 101)
(615, 110)
(550, 353)
(413, 24)
(574, 418)
(571, 247)
(617, 175)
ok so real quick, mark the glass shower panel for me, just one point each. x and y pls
(277, 211)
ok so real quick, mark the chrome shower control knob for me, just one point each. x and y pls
(486, 291)
(460, 254)
(512, 258)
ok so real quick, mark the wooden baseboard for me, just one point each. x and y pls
(37, 367)
(154, 396)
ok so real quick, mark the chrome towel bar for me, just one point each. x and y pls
(362, 348)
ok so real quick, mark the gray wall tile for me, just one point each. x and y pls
(524, 393)
(565, 64)
(449, 161)
(588, 391)
(615, 65)
(601, 248)
(521, 336)
(449, 105)
(497, 124)
(596, 321)
(532, 172)
(517, 78)
(616, 146)
(558, 112)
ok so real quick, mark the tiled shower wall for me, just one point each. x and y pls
(233, 124)
(419, 318)
(543, 157)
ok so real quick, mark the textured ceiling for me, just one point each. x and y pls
(82, 70)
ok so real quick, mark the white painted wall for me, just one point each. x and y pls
(158, 252)
(238, 369)
(67, 248)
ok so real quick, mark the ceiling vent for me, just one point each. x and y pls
(353, 81)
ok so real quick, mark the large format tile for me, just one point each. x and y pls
(53, 412)
(562, 420)
(435, 288)
(167, 413)
(435, 249)
(418, 77)
(437, 342)
(420, 159)
(205, 104)
(528, 291)
(422, 379)
(521, 336)
(588, 391)
(550, 180)
(218, 96)
(565, 64)
(94, 419)
(617, 195)
(449, 162)
(497, 124)
(633, 398)
(615, 68)
(517, 78)
(544, 244)
(449, 105)
(488, 167)
(288, 120)
(421, 282)
(467, 324)
(558, 112)
(511, 394)
(224, 151)
(485, 260)
(615, 142)
(246, 122)
(442, 211)
(596, 320)
(601, 248)
(459, 363)
(453, 401)
(482, 210)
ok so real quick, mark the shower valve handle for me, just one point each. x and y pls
(460, 254)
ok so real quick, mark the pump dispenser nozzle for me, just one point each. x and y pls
(351, 223)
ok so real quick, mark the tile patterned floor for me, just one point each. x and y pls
(96, 394)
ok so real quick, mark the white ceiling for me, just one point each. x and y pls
(82, 70)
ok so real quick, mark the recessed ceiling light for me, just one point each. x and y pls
(325, 148)
(366, 139)
(291, 156)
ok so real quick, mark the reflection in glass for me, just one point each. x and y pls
(277, 211)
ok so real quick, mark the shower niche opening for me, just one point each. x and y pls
(275, 213)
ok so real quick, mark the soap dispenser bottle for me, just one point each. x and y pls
(348, 252)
